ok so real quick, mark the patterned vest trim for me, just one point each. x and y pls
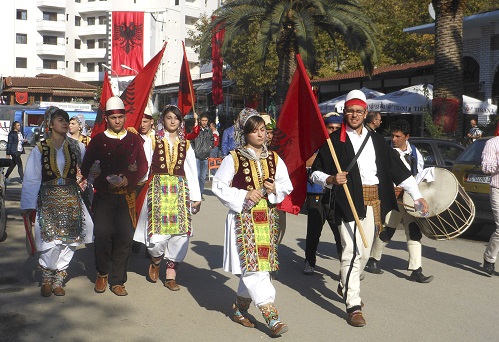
(246, 173)
(50, 171)
(164, 162)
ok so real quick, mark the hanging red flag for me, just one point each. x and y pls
(300, 132)
(127, 42)
(107, 92)
(186, 97)
(217, 38)
(138, 92)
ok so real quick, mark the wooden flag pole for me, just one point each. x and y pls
(347, 193)
(192, 96)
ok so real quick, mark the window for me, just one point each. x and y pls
(102, 43)
(22, 14)
(50, 16)
(78, 1)
(77, 44)
(21, 62)
(176, 2)
(49, 64)
(77, 66)
(21, 38)
(90, 43)
(90, 67)
(91, 21)
(77, 20)
(102, 20)
(67, 64)
(50, 40)
(449, 152)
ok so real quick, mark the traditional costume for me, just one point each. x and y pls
(251, 230)
(370, 183)
(114, 208)
(62, 220)
(164, 223)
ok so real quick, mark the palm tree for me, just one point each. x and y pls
(289, 26)
(448, 83)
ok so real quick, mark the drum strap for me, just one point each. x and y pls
(357, 155)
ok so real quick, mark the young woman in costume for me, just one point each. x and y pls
(76, 127)
(172, 195)
(62, 220)
(250, 181)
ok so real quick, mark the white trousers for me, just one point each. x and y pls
(400, 219)
(257, 286)
(57, 258)
(492, 249)
(354, 257)
(174, 247)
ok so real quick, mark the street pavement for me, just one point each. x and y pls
(460, 304)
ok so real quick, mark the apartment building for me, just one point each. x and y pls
(73, 37)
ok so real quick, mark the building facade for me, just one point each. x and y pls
(73, 37)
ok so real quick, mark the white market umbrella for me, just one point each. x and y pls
(417, 99)
(337, 104)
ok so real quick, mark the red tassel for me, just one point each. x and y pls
(343, 133)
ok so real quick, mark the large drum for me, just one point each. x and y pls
(451, 210)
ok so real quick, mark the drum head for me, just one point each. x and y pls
(439, 194)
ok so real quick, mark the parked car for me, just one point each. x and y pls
(468, 171)
(436, 152)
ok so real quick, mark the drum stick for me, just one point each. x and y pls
(347, 193)
(406, 205)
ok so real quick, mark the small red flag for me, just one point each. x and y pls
(300, 132)
(107, 92)
(496, 133)
(138, 92)
(217, 94)
(186, 98)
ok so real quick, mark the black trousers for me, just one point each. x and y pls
(113, 236)
(318, 213)
(16, 160)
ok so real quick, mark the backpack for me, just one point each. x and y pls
(203, 144)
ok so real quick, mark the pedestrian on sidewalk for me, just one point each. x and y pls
(15, 149)
(250, 181)
(62, 219)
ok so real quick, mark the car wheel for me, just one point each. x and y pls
(3, 145)
(4, 237)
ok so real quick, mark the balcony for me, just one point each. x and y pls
(51, 26)
(51, 50)
(91, 30)
(93, 7)
(93, 76)
(91, 54)
(51, 3)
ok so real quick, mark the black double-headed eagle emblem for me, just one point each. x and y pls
(129, 35)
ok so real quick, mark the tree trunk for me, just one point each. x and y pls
(287, 65)
(448, 84)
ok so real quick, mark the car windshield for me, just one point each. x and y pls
(473, 154)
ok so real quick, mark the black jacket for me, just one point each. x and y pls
(12, 143)
(390, 169)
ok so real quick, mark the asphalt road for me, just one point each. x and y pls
(459, 305)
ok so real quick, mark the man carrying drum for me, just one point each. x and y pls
(413, 160)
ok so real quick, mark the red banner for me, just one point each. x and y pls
(446, 113)
(217, 94)
(21, 97)
(107, 92)
(300, 132)
(136, 95)
(127, 42)
(186, 97)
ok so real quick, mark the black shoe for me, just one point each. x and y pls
(136, 247)
(488, 267)
(417, 275)
(372, 266)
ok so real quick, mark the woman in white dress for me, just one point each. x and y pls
(164, 223)
(250, 181)
(62, 220)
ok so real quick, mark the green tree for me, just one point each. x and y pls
(290, 27)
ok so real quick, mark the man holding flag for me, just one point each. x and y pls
(370, 169)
